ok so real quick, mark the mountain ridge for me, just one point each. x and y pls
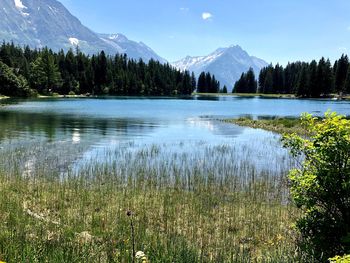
(40, 23)
(227, 64)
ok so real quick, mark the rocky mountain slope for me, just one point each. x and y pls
(227, 64)
(40, 23)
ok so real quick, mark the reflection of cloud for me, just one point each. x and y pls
(201, 123)
(207, 16)
(76, 136)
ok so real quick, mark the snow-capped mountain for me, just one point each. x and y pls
(227, 64)
(132, 48)
(40, 23)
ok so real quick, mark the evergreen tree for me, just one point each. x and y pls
(313, 83)
(347, 82)
(303, 83)
(341, 73)
(247, 83)
(45, 76)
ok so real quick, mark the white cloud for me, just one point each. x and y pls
(343, 49)
(184, 9)
(207, 16)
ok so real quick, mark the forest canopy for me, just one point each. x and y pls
(25, 72)
(314, 79)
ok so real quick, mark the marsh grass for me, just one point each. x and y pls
(278, 125)
(214, 205)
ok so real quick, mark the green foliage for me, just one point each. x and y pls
(45, 75)
(247, 83)
(207, 83)
(12, 84)
(224, 89)
(278, 125)
(314, 79)
(321, 187)
(48, 72)
(338, 259)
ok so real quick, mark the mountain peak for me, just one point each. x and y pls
(227, 64)
(40, 23)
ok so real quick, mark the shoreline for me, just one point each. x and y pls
(277, 125)
(288, 96)
(247, 95)
(275, 96)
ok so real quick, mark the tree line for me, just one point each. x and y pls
(314, 79)
(207, 83)
(27, 72)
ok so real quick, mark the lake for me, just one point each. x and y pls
(62, 134)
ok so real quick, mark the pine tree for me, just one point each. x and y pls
(340, 73)
(314, 89)
(45, 76)
(201, 84)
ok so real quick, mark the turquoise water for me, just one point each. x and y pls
(74, 131)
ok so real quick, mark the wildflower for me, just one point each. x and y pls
(140, 254)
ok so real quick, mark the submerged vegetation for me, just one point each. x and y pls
(213, 206)
(67, 202)
(278, 125)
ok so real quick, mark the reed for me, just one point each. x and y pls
(212, 205)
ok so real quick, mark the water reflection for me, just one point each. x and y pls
(58, 126)
(53, 134)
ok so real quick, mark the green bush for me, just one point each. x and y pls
(321, 186)
(338, 259)
(12, 84)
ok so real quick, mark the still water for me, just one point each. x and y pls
(75, 131)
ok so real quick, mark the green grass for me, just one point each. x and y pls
(278, 125)
(262, 95)
(185, 209)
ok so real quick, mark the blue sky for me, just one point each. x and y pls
(275, 30)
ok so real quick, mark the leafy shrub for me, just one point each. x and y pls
(321, 186)
(338, 259)
(12, 84)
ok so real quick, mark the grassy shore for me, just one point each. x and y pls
(248, 95)
(184, 209)
(278, 125)
(262, 95)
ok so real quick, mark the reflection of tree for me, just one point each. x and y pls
(54, 126)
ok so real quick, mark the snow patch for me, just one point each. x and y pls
(74, 41)
(19, 4)
(113, 37)
(118, 37)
